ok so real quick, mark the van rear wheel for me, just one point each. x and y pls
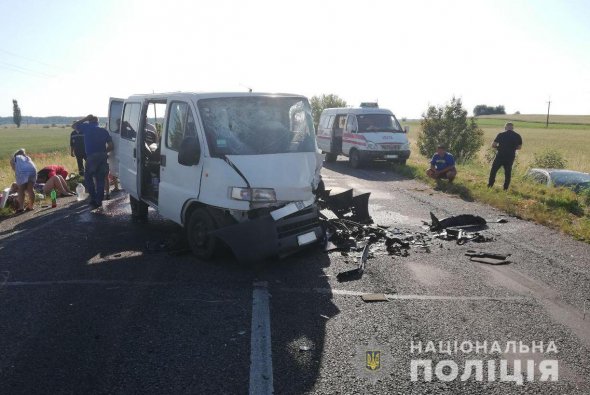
(355, 159)
(331, 157)
(198, 227)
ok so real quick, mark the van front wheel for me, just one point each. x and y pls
(355, 159)
(198, 227)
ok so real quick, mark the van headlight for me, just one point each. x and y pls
(371, 145)
(254, 194)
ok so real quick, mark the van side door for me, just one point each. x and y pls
(113, 126)
(127, 151)
(325, 135)
(178, 183)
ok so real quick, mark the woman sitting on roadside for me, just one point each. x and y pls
(45, 184)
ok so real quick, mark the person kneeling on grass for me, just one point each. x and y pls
(442, 165)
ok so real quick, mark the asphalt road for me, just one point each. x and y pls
(86, 307)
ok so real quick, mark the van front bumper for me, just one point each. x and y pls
(384, 155)
(261, 238)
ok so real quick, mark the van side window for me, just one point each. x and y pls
(181, 124)
(130, 122)
(351, 126)
(330, 122)
(115, 116)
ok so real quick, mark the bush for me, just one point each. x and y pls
(549, 159)
(450, 126)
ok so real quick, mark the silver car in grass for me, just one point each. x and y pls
(575, 180)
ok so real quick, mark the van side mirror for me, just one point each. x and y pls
(190, 152)
(406, 129)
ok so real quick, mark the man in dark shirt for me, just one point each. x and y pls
(98, 143)
(507, 143)
(78, 150)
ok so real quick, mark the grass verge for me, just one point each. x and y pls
(558, 208)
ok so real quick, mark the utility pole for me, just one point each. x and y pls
(548, 107)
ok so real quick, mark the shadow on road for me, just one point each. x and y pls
(375, 171)
(91, 310)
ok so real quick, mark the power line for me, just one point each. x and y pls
(27, 58)
(25, 70)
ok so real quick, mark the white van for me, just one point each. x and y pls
(237, 167)
(362, 134)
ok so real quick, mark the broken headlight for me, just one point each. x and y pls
(254, 194)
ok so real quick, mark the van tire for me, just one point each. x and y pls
(355, 159)
(331, 157)
(139, 210)
(199, 224)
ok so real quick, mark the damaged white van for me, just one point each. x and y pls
(240, 168)
(362, 134)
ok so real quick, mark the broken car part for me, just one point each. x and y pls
(455, 221)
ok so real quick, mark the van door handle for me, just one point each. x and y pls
(163, 160)
(135, 152)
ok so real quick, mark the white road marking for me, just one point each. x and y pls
(261, 379)
(344, 292)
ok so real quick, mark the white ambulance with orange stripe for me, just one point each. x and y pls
(362, 134)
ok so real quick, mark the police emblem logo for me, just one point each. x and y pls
(373, 360)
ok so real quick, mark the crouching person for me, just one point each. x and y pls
(442, 165)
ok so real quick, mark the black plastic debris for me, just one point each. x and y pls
(455, 221)
(346, 206)
(357, 273)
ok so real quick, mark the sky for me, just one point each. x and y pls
(66, 57)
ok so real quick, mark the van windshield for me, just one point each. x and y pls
(368, 123)
(256, 125)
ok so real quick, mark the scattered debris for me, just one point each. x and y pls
(369, 298)
(357, 273)
(488, 257)
(305, 347)
(455, 221)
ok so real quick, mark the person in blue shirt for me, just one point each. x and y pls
(97, 142)
(442, 165)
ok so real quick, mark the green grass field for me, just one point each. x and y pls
(46, 146)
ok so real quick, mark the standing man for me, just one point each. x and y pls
(77, 149)
(98, 143)
(442, 165)
(506, 143)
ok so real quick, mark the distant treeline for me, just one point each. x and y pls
(28, 120)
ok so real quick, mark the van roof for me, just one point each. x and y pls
(356, 110)
(208, 95)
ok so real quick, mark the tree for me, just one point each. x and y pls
(16, 115)
(320, 103)
(482, 109)
(449, 125)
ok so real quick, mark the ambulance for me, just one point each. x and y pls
(362, 134)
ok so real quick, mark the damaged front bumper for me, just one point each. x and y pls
(265, 237)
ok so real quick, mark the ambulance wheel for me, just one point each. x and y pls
(331, 157)
(198, 227)
(139, 210)
(355, 159)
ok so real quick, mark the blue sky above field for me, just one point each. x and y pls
(67, 57)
